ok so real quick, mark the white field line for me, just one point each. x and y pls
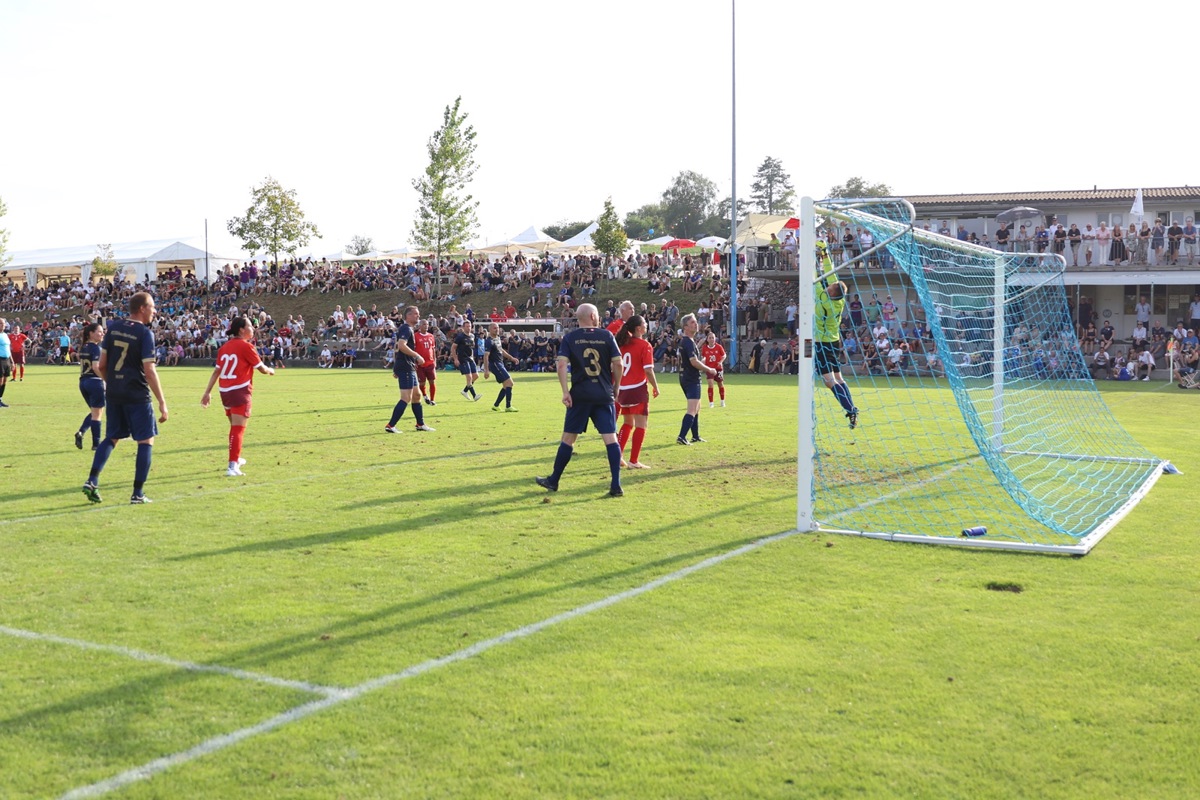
(223, 741)
(189, 666)
(233, 487)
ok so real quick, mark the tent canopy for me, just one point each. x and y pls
(136, 259)
(756, 229)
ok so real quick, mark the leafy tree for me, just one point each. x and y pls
(718, 223)
(688, 203)
(446, 212)
(274, 223)
(609, 237)
(647, 222)
(4, 256)
(563, 230)
(857, 187)
(360, 244)
(105, 265)
(772, 190)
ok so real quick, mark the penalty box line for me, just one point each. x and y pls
(188, 666)
(217, 743)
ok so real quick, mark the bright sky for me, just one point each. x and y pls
(139, 119)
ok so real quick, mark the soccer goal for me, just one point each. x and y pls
(979, 422)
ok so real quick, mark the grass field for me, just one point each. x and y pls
(374, 616)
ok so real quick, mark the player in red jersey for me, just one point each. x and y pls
(633, 399)
(624, 312)
(236, 362)
(713, 355)
(425, 343)
(17, 340)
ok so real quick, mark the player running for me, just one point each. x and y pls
(713, 356)
(91, 385)
(493, 361)
(236, 362)
(633, 399)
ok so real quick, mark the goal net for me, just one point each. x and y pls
(979, 423)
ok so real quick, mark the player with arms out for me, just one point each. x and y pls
(594, 360)
(633, 399)
(91, 386)
(127, 368)
(831, 300)
(425, 343)
(404, 369)
(493, 361)
(690, 367)
(713, 356)
(236, 362)
(463, 351)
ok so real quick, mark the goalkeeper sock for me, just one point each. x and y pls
(842, 392)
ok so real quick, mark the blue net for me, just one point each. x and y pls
(976, 406)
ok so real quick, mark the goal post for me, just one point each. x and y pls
(980, 424)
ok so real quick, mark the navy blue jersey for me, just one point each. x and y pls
(405, 362)
(88, 354)
(127, 344)
(464, 346)
(687, 351)
(492, 349)
(590, 352)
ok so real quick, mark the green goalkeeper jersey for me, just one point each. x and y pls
(828, 316)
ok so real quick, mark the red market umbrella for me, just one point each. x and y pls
(792, 223)
(678, 244)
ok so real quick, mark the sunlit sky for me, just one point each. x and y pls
(130, 120)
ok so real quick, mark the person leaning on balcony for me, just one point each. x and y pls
(1189, 241)
(1074, 241)
(1089, 243)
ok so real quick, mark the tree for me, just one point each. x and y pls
(609, 237)
(4, 256)
(718, 223)
(274, 222)
(563, 230)
(360, 244)
(772, 190)
(688, 203)
(857, 187)
(105, 265)
(446, 212)
(646, 222)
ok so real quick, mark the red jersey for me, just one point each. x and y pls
(636, 357)
(426, 345)
(17, 340)
(713, 357)
(615, 326)
(237, 359)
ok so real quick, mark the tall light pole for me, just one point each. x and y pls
(733, 290)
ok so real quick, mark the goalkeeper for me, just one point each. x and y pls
(831, 300)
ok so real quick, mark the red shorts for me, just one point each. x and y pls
(427, 372)
(236, 402)
(18, 357)
(634, 401)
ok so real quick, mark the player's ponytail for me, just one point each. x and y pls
(236, 326)
(626, 332)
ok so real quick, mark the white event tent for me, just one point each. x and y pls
(136, 259)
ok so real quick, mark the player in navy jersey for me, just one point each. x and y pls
(690, 367)
(493, 361)
(463, 352)
(591, 355)
(404, 368)
(91, 386)
(127, 366)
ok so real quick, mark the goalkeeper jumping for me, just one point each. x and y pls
(831, 300)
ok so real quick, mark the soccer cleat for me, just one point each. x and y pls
(389, 429)
(78, 440)
(511, 410)
(475, 398)
(616, 491)
(624, 463)
(233, 471)
(681, 440)
(710, 405)
(495, 408)
(722, 404)
(639, 465)
(546, 483)
(697, 439)
(852, 415)
(426, 428)
(241, 462)
(431, 402)
(92, 492)
(3, 404)
(139, 500)
(465, 394)
(1146, 378)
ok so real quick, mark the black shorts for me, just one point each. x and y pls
(825, 357)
